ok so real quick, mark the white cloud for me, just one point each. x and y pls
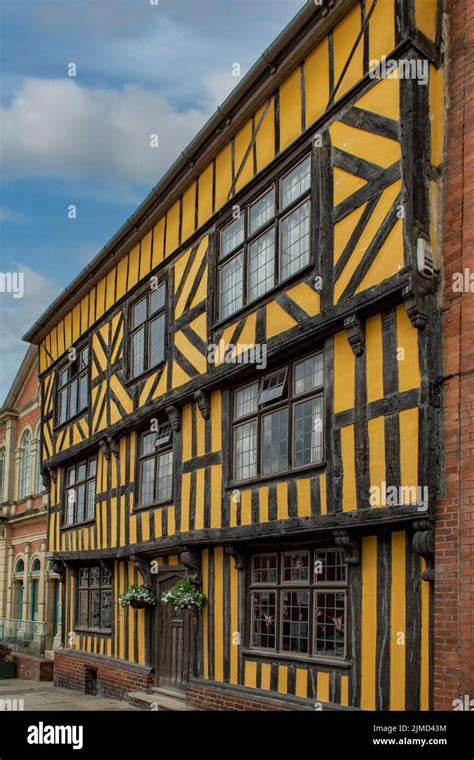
(6, 215)
(55, 128)
(16, 316)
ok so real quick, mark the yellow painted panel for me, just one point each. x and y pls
(158, 243)
(278, 321)
(306, 297)
(61, 347)
(234, 618)
(218, 614)
(344, 229)
(172, 229)
(202, 249)
(199, 508)
(145, 256)
(389, 259)
(188, 224)
(186, 420)
(134, 257)
(205, 614)
(283, 679)
(323, 686)
(265, 675)
(242, 141)
(121, 612)
(191, 353)
(344, 373)
(185, 502)
(179, 267)
(345, 691)
(436, 114)
(381, 29)
(407, 351)
(290, 109)
(251, 674)
(141, 636)
(345, 184)
(425, 641)
(133, 529)
(408, 455)
(322, 487)
(301, 683)
(345, 35)
(216, 498)
(388, 267)
(110, 289)
(304, 497)
(398, 623)
(265, 142)
(145, 526)
(349, 498)
(85, 314)
(374, 357)
(364, 144)
(369, 622)
(205, 195)
(317, 82)
(425, 17)
(263, 502)
(223, 175)
(158, 523)
(171, 521)
(68, 330)
(233, 510)
(179, 376)
(100, 298)
(121, 394)
(92, 300)
(282, 500)
(216, 421)
(376, 427)
(383, 98)
(162, 384)
(99, 353)
(201, 292)
(246, 507)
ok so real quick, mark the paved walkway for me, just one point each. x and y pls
(43, 696)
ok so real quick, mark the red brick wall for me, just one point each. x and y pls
(114, 679)
(31, 668)
(221, 699)
(454, 587)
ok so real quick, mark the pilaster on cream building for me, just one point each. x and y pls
(29, 588)
(259, 483)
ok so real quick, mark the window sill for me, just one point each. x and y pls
(61, 425)
(156, 505)
(78, 525)
(309, 470)
(333, 662)
(94, 631)
(144, 375)
(266, 298)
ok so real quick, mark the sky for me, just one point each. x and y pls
(83, 85)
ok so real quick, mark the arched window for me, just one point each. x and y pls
(20, 566)
(36, 566)
(39, 476)
(2, 473)
(25, 465)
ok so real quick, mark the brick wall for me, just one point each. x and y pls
(454, 587)
(114, 679)
(211, 697)
(30, 668)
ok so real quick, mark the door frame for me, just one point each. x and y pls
(178, 572)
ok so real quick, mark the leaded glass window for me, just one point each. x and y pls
(156, 466)
(94, 609)
(79, 499)
(147, 329)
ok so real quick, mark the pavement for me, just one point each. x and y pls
(43, 696)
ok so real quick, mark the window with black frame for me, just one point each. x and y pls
(156, 466)
(278, 420)
(147, 329)
(268, 242)
(298, 602)
(73, 386)
(80, 489)
(94, 598)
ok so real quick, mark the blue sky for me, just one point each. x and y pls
(85, 140)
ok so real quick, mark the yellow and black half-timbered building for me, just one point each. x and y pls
(241, 389)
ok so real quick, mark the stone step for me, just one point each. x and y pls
(169, 692)
(155, 702)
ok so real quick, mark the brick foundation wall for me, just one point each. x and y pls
(30, 668)
(114, 679)
(213, 697)
(454, 549)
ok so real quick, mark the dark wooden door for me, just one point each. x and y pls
(176, 643)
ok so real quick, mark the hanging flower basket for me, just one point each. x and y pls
(184, 596)
(138, 597)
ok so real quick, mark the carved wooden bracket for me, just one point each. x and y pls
(350, 546)
(355, 334)
(48, 474)
(414, 306)
(113, 446)
(237, 555)
(423, 544)
(71, 567)
(105, 449)
(192, 562)
(143, 566)
(58, 567)
(202, 400)
(174, 416)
